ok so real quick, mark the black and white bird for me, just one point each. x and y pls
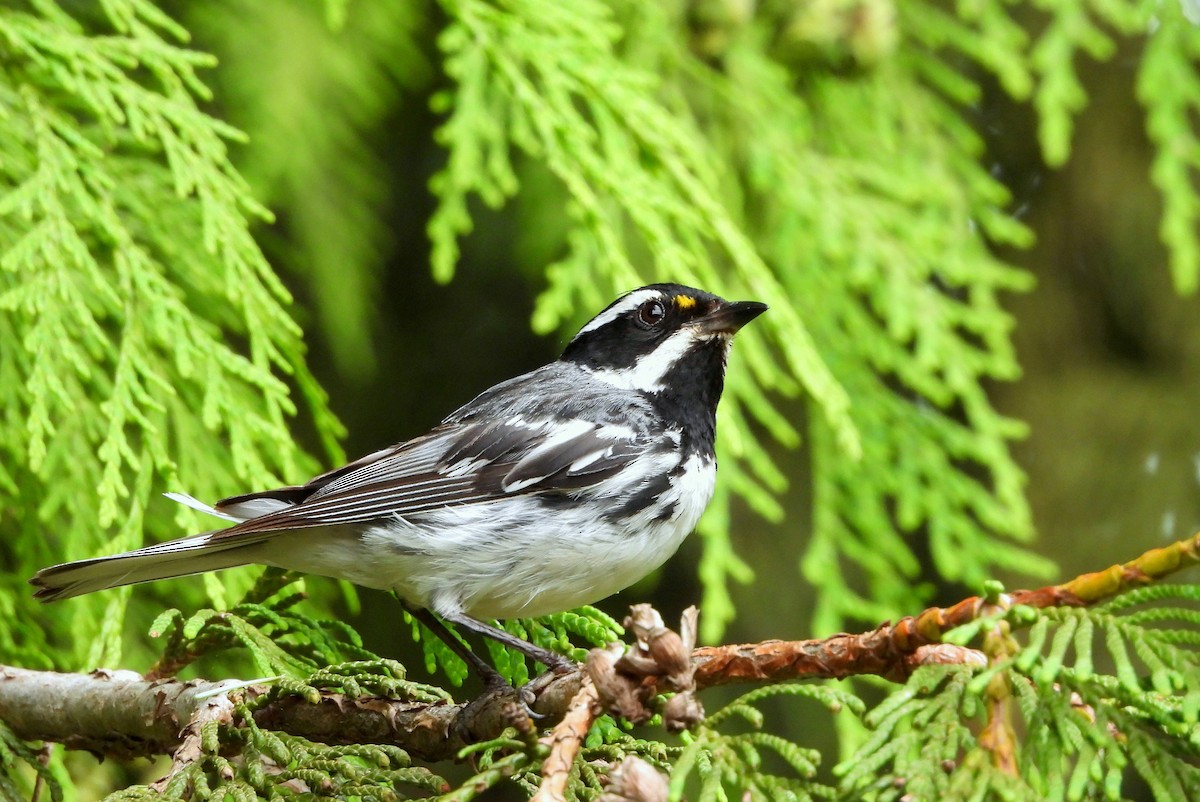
(548, 491)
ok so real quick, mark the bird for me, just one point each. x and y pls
(548, 491)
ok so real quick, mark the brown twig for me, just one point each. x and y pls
(998, 736)
(217, 709)
(889, 650)
(625, 683)
(635, 780)
(40, 780)
(565, 741)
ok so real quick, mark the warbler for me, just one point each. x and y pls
(550, 490)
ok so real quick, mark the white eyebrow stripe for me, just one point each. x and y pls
(623, 306)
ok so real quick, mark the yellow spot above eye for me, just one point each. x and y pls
(685, 301)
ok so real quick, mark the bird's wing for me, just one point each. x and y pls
(260, 503)
(455, 464)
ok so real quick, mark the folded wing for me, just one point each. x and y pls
(455, 464)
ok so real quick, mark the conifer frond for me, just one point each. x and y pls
(146, 335)
(571, 633)
(831, 168)
(908, 339)
(278, 638)
(278, 765)
(1044, 62)
(718, 765)
(1169, 88)
(16, 755)
(1073, 30)
(327, 91)
(1083, 728)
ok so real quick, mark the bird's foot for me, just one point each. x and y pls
(499, 706)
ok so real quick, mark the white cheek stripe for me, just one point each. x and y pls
(625, 305)
(648, 372)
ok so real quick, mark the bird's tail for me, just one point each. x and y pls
(189, 555)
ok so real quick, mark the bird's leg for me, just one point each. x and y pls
(553, 660)
(490, 676)
(519, 701)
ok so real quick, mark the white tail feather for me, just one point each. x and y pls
(200, 506)
(237, 512)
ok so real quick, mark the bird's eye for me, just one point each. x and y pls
(651, 313)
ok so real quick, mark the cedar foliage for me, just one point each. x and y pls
(819, 156)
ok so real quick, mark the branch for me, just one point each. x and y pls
(113, 713)
(998, 736)
(565, 741)
(894, 650)
(625, 683)
(120, 714)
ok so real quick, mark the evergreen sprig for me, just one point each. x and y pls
(17, 755)
(145, 335)
(280, 766)
(1040, 60)
(1082, 729)
(726, 765)
(912, 324)
(1169, 87)
(821, 157)
(331, 93)
(279, 638)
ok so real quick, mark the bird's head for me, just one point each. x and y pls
(663, 338)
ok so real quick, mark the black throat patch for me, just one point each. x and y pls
(690, 391)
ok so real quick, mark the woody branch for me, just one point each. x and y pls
(121, 714)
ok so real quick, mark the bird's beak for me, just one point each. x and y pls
(730, 316)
